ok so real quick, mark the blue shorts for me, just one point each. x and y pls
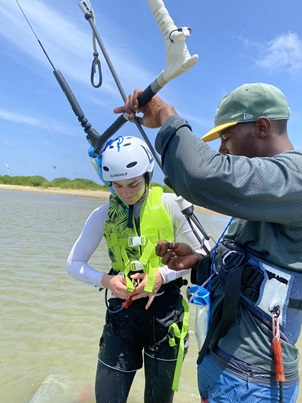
(217, 385)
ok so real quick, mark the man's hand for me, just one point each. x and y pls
(155, 112)
(178, 255)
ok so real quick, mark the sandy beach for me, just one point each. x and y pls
(87, 194)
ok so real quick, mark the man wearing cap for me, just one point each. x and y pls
(256, 294)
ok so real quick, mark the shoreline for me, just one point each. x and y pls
(86, 194)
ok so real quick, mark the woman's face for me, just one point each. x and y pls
(130, 190)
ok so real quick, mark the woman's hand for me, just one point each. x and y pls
(178, 255)
(139, 290)
(117, 285)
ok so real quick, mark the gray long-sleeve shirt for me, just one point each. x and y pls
(265, 194)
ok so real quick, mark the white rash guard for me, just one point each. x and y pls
(77, 263)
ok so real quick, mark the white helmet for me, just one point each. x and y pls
(126, 158)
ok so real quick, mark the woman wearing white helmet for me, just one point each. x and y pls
(146, 308)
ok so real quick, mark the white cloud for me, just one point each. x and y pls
(283, 53)
(38, 123)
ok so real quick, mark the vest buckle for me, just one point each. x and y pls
(136, 265)
(137, 241)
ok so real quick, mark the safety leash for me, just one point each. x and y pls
(277, 350)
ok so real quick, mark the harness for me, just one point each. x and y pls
(131, 243)
(261, 287)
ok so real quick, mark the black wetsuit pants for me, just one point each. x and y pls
(127, 334)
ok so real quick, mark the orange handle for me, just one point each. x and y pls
(279, 368)
(128, 302)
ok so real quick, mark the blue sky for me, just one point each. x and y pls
(237, 42)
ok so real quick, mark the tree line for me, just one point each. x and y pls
(61, 183)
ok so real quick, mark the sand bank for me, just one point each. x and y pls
(88, 194)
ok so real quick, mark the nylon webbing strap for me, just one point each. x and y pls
(129, 284)
(177, 336)
(151, 279)
(145, 260)
(230, 300)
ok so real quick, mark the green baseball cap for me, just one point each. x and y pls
(246, 104)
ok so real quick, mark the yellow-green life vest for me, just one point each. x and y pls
(130, 251)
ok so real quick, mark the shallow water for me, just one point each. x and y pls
(51, 323)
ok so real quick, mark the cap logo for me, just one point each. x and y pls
(247, 116)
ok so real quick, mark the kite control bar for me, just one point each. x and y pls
(178, 61)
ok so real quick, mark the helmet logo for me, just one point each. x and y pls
(118, 175)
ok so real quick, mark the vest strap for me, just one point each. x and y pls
(145, 260)
(125, 258)
(151, 279)
(136, 265)
(177, 336)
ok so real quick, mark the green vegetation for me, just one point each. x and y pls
(60, 183)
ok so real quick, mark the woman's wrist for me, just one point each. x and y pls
(104, 279)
